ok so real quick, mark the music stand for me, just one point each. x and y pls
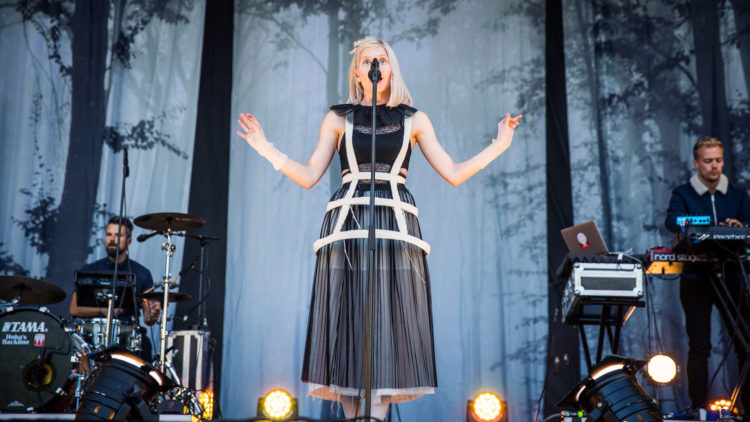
(93, 288)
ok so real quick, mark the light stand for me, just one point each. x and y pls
(108, 334)
(202, 308)
(374, 75)
(203, 281)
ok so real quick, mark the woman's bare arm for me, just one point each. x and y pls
(457, 173)
(305, 175)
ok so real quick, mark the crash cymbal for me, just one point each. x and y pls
(173, 296)
(175, 221)
(30, 290)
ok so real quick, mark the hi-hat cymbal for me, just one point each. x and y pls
(31, 291)
(173, 296)
(175, 221)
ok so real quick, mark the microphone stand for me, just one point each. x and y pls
(108, 337)
(374, 77)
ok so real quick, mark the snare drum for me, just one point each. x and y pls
(94, 331)
(41, 364)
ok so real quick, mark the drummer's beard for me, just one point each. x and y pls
(112, 250)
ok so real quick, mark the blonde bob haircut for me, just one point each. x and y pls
(399, 92)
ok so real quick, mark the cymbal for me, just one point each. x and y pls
(30, 290)
(173, 296)
(175, 221)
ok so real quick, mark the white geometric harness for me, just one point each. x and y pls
(353, 178)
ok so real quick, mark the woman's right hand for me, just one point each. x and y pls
(252, 132)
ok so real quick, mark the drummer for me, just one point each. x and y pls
(151, 309)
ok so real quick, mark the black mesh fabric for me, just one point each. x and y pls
(403, 356)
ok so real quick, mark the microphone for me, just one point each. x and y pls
(144, 237)
(125, 167)
(374, 71)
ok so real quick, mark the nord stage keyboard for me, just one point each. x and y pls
(668, 261)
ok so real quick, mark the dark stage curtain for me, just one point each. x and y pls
(563, 362)
(210, 183)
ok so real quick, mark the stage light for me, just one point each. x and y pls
(206, 399)
(277, 404)
(661, 369)
(123, 387)
(486, 407)
(612, 393)
(720, 404)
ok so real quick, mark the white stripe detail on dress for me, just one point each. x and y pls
(398, 206)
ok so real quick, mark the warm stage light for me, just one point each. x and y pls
(612, 393)
(662, 369)
(486, 407)
(277, 404)
(206, 398)
(721, 404)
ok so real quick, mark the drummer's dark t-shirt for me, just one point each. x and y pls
(142, 276)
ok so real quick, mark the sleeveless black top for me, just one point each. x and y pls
(389, 132)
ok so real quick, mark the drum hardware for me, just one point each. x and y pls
(105, 288)
(170, 402)
(29, 291)
(93, 331)
(167, 223)
(42, 364)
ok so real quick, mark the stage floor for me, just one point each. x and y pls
(72, 416)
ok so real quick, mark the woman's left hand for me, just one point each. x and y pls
(506, 127)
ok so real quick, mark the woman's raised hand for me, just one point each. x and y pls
(506, 127)
(252, 132)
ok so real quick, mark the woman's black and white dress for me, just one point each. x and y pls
(403, 356)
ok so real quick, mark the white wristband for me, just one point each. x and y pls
(279, 161)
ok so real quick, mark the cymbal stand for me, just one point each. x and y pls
(168, 247)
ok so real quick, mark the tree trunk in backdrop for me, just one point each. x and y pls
(709, 65)
(72, 230)
(593, 70)
(741, 9)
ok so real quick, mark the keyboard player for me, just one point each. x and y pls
(709, 192)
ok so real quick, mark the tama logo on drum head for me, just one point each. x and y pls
(24, 327)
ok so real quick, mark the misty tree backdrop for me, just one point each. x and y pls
(84, 79)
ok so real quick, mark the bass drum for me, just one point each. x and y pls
(41, 364)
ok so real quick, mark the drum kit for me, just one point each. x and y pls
(52, 365)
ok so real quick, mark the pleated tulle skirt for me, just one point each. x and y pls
(403, 353)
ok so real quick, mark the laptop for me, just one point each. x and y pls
(584, 239)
